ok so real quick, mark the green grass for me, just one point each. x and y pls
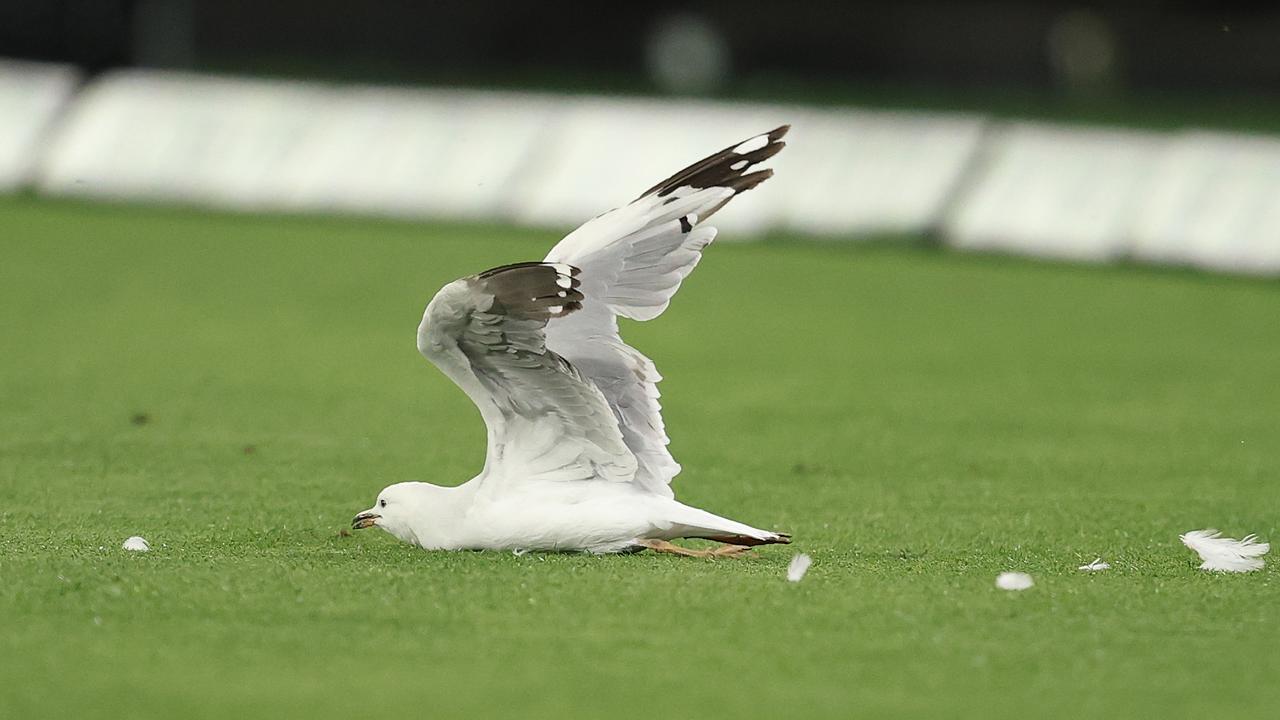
(921, 421)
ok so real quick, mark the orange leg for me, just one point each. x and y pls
(662, 546)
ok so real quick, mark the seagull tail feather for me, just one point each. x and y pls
(700, 524)
(750, 540)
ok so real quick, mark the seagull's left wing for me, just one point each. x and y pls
(487, 333)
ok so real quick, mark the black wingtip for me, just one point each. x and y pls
(533, 290)
(730, 167)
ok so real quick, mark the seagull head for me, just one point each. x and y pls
(394, 511)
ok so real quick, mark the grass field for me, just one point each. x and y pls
(235, 388)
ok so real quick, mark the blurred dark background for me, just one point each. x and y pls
(685, 47)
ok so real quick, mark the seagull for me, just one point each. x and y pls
(577, 456)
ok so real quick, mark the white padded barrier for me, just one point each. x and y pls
(294, 146)
(193, 139)
(435, 154)
(864, 172)
(1206, 199)
(1053, 191)
(534, 159)
(31, 96)
(1213, 203)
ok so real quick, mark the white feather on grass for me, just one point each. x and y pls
(798, 567)
(1097, 565)
(1014, 581)
(1223, 554)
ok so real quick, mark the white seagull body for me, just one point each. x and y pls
(577, 453)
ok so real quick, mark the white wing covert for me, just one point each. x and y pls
(632, 262)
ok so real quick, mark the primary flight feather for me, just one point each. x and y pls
(577, 451)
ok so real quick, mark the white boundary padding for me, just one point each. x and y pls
(280, 145)
(604, 152)
(866, 172)
(31, 96)
(1215, 204)
(195, 139)
(1055, 191)
(446, 154)
(1210, 200)
(541, 160)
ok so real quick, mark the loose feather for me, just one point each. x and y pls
(1097, 565)
(1223, 554)
(1014, 581)
(798, 567)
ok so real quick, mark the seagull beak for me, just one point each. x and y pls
(364, 520)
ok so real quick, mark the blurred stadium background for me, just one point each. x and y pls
(1130, 130)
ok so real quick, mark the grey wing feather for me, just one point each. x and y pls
(545, 421)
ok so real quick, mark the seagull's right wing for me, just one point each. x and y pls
(633, 260)
(544, 420)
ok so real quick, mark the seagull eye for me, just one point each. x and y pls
(382, 503)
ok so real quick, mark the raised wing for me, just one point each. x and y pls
(544, 420)
(632, 261)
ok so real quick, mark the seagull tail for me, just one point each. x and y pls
(768, 538)
(695, 523)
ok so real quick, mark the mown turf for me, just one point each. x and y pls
(236, 388)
